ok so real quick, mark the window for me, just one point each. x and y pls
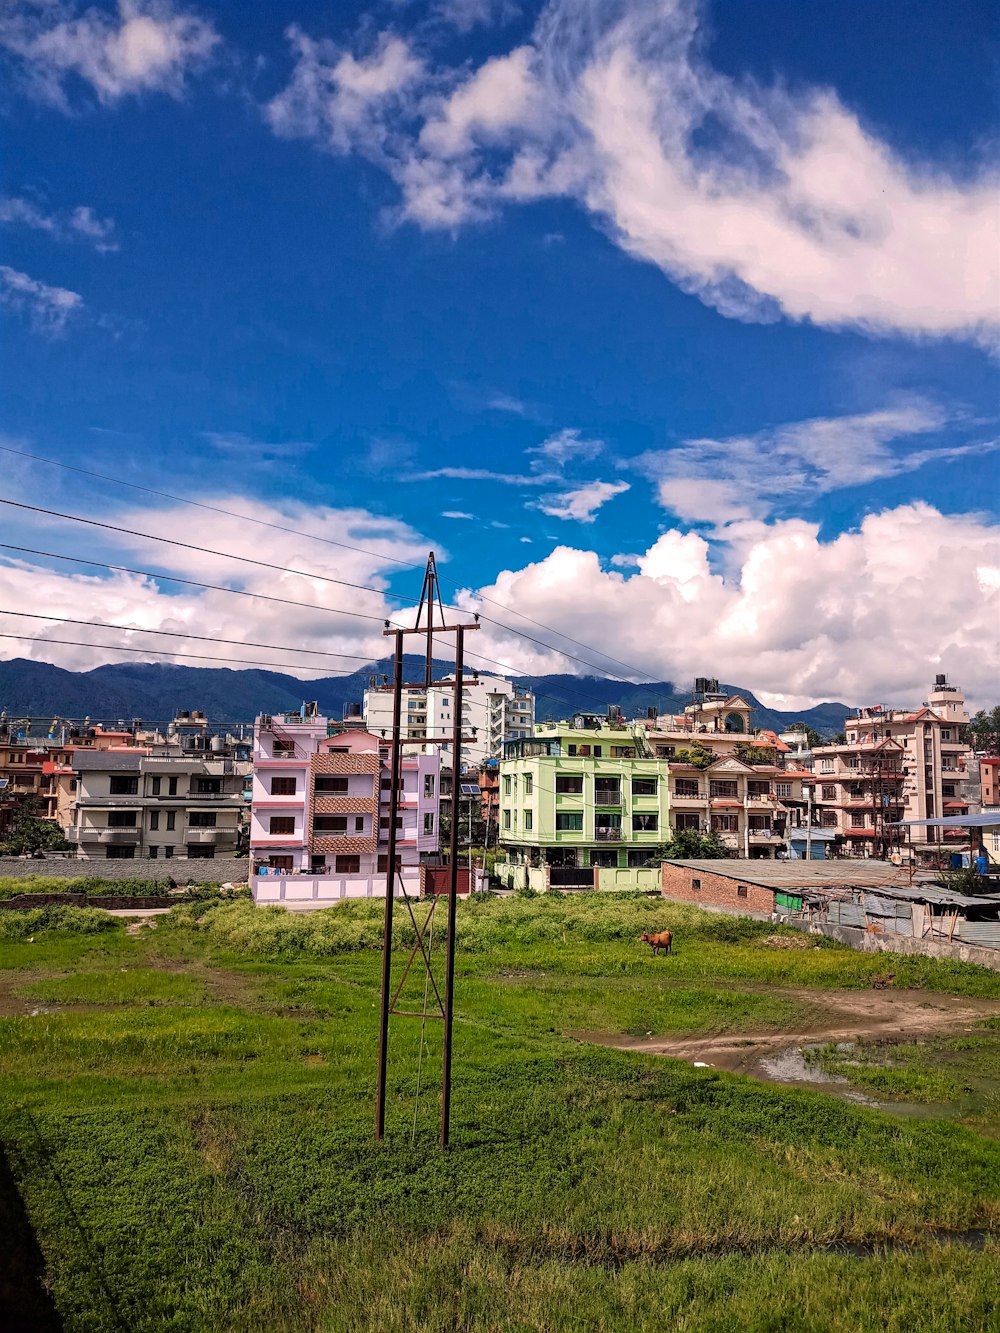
(686, 787)
(124, 786)
(645, 823)
(171, 786)
(597, 752)
(529, 820)
(208, 786)
(607, 791)
(328, 786)
(205, 819)
(359, 823)
(725, 823)
(946, 733)
(383, 864)
(121, 818)
(282, 824)
(687, 819)
(171, 820)
(645, 786)
(428, 784)
(506, 819)
(280, 862)
(571, 750)
(741, 890)
(858, 820)
(666, 751)
(284, 786)
(758, 788)
(153, 853)
(948, 789)
(727, 789)
(635, 859)
(199, 851)
(506, 785)
(347, 865)
(829, 792)
(383, 823)
(156, 786)
(782, 789)
(168, 851)
(329, 824)
(569, 823)
(826, 765)
(154, 819)
(623, 752)
(120, 853)
(567, 785)
(428, 823)
(828, 819)
(696, 884)
(529, 784)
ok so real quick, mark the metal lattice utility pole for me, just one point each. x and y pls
(430, 606)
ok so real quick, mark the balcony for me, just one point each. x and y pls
(207, 835)
(115, 837)
(608, 834)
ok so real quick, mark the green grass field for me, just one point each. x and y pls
(187, 1113)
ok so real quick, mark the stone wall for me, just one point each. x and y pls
(723, 893)
(221, 870)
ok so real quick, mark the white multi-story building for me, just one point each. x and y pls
(494, 710)
(319, 824)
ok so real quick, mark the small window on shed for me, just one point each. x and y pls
(696, 884)
(741, 890)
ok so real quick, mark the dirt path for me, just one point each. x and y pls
(832, 1016)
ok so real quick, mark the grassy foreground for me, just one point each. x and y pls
(187, 1113)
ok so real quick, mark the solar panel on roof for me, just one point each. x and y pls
(469, 789)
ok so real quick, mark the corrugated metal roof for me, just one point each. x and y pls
(768, 874)
(982, 819)
(115, 761)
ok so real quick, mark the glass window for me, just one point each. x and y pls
(153, 852)
(428, 784)
(506, 819)
(171, 786)
(154, 819)
(569, 823)
(330, 824)
(331, 786)
(208, 786)
(156, 786)
(645, 823)
(124, 786)
(529, 784)
(528, 820)
(783, 789)
(607, 791)
(686, 787)
(282, 824)
(347, 865)
(568, 785)
(168, 851)
(428, 823)
(284, 786)
(723, 789)
(171, 820)
(644, 786)
(121, 818)
(204, 819)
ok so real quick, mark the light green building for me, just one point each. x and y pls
(582, 795)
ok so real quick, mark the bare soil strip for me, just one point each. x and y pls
(832, 1016)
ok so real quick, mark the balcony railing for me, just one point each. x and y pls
(118, 836)
(608, 834)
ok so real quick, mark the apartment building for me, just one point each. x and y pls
(897, 764)
(129, 804)
(319, 826)
(494, 710)
(582, 794)
(753, 809)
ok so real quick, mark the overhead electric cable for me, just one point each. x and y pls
(153, 652)
(213, 509)
(346, 546)
(179, 634)
(190, 583)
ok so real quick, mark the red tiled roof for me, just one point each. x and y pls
(859, 832)
(956, 805)
(719, 803)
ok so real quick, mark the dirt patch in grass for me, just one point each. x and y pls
(843, 1016)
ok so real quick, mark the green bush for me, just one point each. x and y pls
(11, 886)
(16, 925)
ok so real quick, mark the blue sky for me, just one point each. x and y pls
(674, 326)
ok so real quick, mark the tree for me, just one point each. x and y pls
(812, 736)
(31, 834)
(984, 731)
(695, 754)
(687, 844)
(754, 754)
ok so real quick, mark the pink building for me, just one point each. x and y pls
(319, 822)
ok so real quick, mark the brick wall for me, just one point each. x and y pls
(717, 891)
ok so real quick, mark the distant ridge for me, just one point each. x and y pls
(155, 691)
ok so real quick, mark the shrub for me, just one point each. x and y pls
(77, 920)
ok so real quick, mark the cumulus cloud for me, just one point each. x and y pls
(855, 618)
(329, 619)
(147, 46)
(80, 223)
(763, 202)
(47, 309)
(748, 477)
(582, 502)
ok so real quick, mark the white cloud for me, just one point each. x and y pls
(81, 222)
(456, 513)
(47, 309)
(762, 202)
(467, 14)
(257, 453)
(148, 46)
(870, 616)
(484, 474)
(126, 600)
(582, 502)
(567, 446)
(748, 477)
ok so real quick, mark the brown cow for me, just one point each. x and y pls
(662, 939)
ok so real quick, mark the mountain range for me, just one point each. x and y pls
(155, 692)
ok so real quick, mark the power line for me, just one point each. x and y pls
(190, 583)
(213, 509)
(203, 550)
(346, 546)
(152, 652)
(179, 634)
